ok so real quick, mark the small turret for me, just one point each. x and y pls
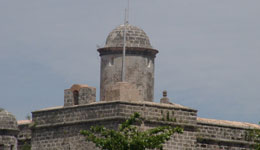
(139, 62)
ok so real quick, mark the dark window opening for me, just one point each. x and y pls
(111, 61)
(76, 97)
(1, 147)
(148, 62)
(12, 147)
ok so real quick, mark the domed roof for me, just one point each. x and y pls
(7, 120)
(135, 37)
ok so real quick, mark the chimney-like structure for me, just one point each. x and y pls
(79, 94)
(139, 62)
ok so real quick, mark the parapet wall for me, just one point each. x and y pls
(116, 109)
(220, 134)
(58, 128)
(54, 128)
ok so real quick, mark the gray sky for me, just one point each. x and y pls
(208, 57)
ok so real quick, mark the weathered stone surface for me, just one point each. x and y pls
(139, 72)
(86, 94)
(8, 131)
(139, 61)
(7, 120)
(7, 142)
(227, 123)
(51, 124)
(221, 134)
(25, 133)
(58, 128)
(135, 37)
(123, 91)
(165, 99)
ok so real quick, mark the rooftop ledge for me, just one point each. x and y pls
(227, 123)
(206, 121)
(175, 106)
(24, 122)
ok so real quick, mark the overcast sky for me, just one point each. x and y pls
(209, 51)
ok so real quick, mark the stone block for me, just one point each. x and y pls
(79, 94)
(87, 95)
(123, 91)
(68, 97)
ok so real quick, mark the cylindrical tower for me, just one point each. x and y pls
(139, 61)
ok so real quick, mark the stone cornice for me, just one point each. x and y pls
(225, 123)
(141, 103)
(190, 127)
(129, 51)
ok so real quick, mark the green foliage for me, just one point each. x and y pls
(167, 117)
(26, 146)
(257, 138)
(130, 136)
(254, 135)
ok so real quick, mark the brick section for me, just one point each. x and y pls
(8, 131)
(58, 128)
(211, 136)
(25, 134)
(86, 95)
(53, 127)
(8, 141)
(105, 110)
(64, 137)
(122, 91)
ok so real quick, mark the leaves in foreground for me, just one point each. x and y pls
(130, 136)
(254, 136)
(257, 138)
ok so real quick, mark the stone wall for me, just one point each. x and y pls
(58, 128)
(25, 133)
(65, 137)
(7, 142)
(139, 72)
(54, 127)
(221, 135)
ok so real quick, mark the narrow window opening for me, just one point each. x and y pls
(148, 62)
(76, 97)
(111, 61)
(11, 147)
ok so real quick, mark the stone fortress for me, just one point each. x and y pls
(58, 128)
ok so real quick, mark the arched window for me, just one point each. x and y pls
(76, 97)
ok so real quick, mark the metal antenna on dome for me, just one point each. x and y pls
(124, 46)
(127, 11)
